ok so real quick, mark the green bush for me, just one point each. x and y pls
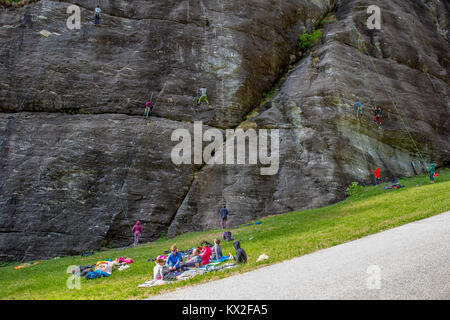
(354, 189)
(306, 40)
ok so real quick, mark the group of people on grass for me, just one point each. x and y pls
(201, 256)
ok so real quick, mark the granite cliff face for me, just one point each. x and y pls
(79, 165)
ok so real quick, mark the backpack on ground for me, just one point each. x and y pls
(227, 236)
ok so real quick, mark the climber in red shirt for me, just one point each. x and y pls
(148, 108)
(377, 116)
(377, 175)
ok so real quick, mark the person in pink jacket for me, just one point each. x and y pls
(206, 252)
(137, 230)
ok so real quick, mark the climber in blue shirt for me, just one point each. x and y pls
(359, 108)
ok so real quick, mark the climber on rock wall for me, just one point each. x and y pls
(203, 96)
(97, 15)
(358, 108)
(148, 108)
(377, 116)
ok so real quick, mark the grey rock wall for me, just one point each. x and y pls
(79, 165)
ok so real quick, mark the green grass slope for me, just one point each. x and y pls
(281, 237)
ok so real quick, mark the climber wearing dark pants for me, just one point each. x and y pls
(223, 216)
(377, 117)
(148, 108)
(97, 15)
(431, 171)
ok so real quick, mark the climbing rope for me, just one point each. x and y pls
(361, 63)
(130, 161)
(391, 96)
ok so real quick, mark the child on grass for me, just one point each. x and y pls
(158, 270)
(217, 250)
(206, 252)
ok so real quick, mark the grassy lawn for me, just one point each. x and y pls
(281, 237)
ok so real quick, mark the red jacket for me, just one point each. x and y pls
(376, 172)
(206, 254)
(137, 227)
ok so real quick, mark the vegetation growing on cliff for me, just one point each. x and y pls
(306, 40)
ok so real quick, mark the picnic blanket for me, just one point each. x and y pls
(189, 273)
(184, 253)
(221, 259)
(152, 283)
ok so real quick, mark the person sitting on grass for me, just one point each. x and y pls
(206, 252)
(194, 262)
(217, 250)
(158, 270)
(174, 259)
(241, 256)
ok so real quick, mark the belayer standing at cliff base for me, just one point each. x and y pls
(377, 175)
(223, 216)
(137, 230)
(431, 171)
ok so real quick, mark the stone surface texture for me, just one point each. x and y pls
(79, 164)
